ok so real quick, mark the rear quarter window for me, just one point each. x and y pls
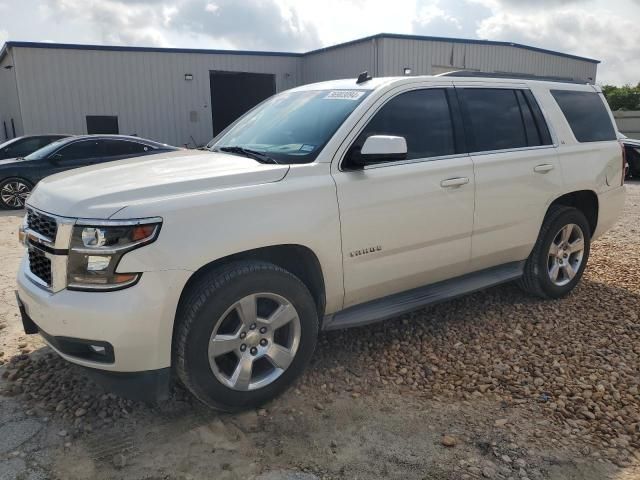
(587, 115)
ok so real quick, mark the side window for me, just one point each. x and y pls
(586, 114)
(114, 148)
(495, 119)
(81, 150)
(422, 117)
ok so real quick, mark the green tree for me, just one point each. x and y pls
(626, 97)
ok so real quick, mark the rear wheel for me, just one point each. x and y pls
(244, 334)
(560, 254)
(14, 193)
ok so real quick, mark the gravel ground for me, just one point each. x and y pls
(493, 385)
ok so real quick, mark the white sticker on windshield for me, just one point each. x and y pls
(344, 95)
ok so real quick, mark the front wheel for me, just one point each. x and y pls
(14, 193)
(244, 333)
(560, 254)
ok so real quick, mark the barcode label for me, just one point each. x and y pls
(344, 95)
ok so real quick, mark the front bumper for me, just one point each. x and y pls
(148, 386)
(137, 322)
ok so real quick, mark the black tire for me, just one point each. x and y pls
(536, 279)
(203, 308)
(4, 203)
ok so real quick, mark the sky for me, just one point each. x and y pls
(607, 30)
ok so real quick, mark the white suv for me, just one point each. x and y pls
(327, 206)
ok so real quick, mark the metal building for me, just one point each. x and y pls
(185, 96)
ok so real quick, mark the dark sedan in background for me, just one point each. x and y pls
(19, 175)
(632, 154)
(23, 146)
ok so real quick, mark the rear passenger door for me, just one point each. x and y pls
(516, 170)
(407, 223)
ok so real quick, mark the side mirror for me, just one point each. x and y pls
(379, 148)
(55, 158)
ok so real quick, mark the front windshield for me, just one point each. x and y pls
(45, 151)
(294, 126)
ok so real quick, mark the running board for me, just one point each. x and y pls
(399, 303)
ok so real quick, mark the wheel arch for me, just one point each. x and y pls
(300, 260)
(584, 200)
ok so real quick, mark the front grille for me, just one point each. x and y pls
(42, 224)
(40, 265)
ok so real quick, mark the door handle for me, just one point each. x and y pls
(454, 182)
(544, 168)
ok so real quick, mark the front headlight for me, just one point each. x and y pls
(97, 247)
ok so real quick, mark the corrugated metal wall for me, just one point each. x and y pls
(422, 55)
(9, 100)
(146, 90)
(341, 62)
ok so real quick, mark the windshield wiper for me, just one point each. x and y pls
(259, 156)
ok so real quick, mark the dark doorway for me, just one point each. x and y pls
(233, 93)
(102, 124)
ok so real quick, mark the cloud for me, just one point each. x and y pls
(136, 22)
(257, 24)
(451, 18)
(601, 35)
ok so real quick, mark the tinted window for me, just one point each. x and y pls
(586, 114)
(122, 147)
(81, 150)
(422, 117)
(495, 119)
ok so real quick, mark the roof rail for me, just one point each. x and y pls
(514, 76)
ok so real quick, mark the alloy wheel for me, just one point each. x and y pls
(254, 341)
(14, 193)
(566, 254)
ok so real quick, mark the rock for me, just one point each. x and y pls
(501, 422)
(81, 412)
(488, 472)
(22, 344)
(319, 406)
(62, 433)
(506, 458)
(449, 441)
(119, 460)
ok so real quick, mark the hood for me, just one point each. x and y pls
(11, 161)
(100, 191)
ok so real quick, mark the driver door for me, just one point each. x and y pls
(408, 223)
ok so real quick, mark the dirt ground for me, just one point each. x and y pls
(494, 385)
